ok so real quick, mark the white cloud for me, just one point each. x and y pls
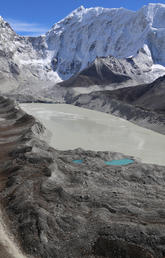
(27, 28)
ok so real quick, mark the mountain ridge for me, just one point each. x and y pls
(142, 104)
(37, 62)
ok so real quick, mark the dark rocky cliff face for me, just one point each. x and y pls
(101, 72)
(60, 209)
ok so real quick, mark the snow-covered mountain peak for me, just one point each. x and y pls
(4, 24)
(78, 10)
(86, 33)
(2, 20)
(154, 6)
(74, 15)
(92, 32)
(87, 15)
(155, 14)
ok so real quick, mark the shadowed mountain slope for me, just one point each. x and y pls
(143, 104)
(100, 72)
(149, 96)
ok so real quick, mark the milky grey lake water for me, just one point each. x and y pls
(72, 127)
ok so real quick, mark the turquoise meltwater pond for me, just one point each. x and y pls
(78, 161)
(119, 162)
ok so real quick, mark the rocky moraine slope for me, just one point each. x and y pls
(57, 208)
(142, 104)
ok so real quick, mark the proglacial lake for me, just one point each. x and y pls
(74, 127)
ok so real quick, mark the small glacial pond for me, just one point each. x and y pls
(74, 127)
(119, 162)
(78, 161)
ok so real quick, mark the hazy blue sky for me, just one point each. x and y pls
(33, 17)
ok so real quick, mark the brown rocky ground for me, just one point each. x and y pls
(56, 208)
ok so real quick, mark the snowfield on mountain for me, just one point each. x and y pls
(37, 62)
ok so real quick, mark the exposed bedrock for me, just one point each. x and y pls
(57, 208)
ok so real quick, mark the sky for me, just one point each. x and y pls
(34, 17)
